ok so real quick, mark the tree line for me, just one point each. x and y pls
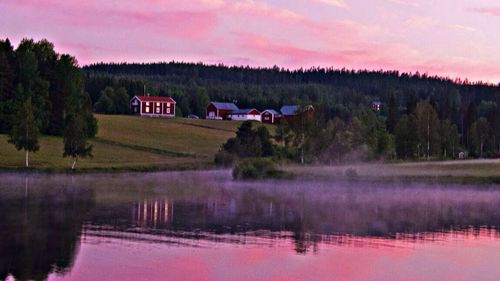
(421, 117)
(42, 92)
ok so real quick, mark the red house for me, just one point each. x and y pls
(219, 110)
(270, 116)
(153, 106)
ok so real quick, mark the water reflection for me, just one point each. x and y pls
(39, 229)
(44, 218)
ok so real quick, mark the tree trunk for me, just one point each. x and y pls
(428, 136)
(74, 164)
(481, 153)
(26, 152)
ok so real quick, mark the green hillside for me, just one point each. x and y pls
(135, 143)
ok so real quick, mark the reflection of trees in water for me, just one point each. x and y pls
(40, 229)
(319, 214)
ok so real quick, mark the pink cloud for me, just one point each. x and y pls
(266, 33)
(494, 11)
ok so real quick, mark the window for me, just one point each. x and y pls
(157, 104)
(147, 103)
(135, 109)
(158, 110)
(168, 104)
(147, 109)
(168, 110)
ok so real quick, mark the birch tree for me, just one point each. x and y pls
(24, 132)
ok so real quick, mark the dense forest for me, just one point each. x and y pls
(421, 116)
(42, 91)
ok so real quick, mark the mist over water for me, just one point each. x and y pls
(52, 223)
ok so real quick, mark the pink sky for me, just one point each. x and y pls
(455, 38)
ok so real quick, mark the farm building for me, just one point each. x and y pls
(220, 110)
(245, 114)
(270, 116)
(376, 105)
(153, 106)
(291, 111)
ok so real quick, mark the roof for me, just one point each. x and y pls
(225, 105)
(243, 111)
(272, 111)
(289, 109)
(155, 99)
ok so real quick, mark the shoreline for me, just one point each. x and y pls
(383, 172)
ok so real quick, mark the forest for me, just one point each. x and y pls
(421, 116)
(42, 92)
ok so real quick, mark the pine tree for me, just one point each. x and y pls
(24, 132)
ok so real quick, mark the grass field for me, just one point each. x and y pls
(133, 143)
(481, 170)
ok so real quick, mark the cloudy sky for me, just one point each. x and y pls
(455, 38)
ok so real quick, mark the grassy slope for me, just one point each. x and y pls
(131, 142)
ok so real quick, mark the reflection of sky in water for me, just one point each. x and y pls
(203, 226)
(455, 256)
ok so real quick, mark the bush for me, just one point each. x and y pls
(256, 168)
(224, 159)
(351, 173)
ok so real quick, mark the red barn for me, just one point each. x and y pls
(270, 116)
(153, 106)
(220, 110)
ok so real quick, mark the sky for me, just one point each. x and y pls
(452, 38)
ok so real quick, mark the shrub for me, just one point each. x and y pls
(351, 173)
(224, 159)
(256, 168)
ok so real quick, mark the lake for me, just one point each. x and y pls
(204, 226)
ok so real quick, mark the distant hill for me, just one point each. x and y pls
(337, 90)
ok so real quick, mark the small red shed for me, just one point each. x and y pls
(270, 116)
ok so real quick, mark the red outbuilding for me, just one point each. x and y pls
(153, 106)
(220, 110)
(270, 116)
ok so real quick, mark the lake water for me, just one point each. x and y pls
(204, 226)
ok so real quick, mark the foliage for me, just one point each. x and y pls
(256, 168)
(113, 102)
(248, 143)
(24, 132)
(34, 70)
(479, 134)
(76, 138)
(406, 137)
(427, 129)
